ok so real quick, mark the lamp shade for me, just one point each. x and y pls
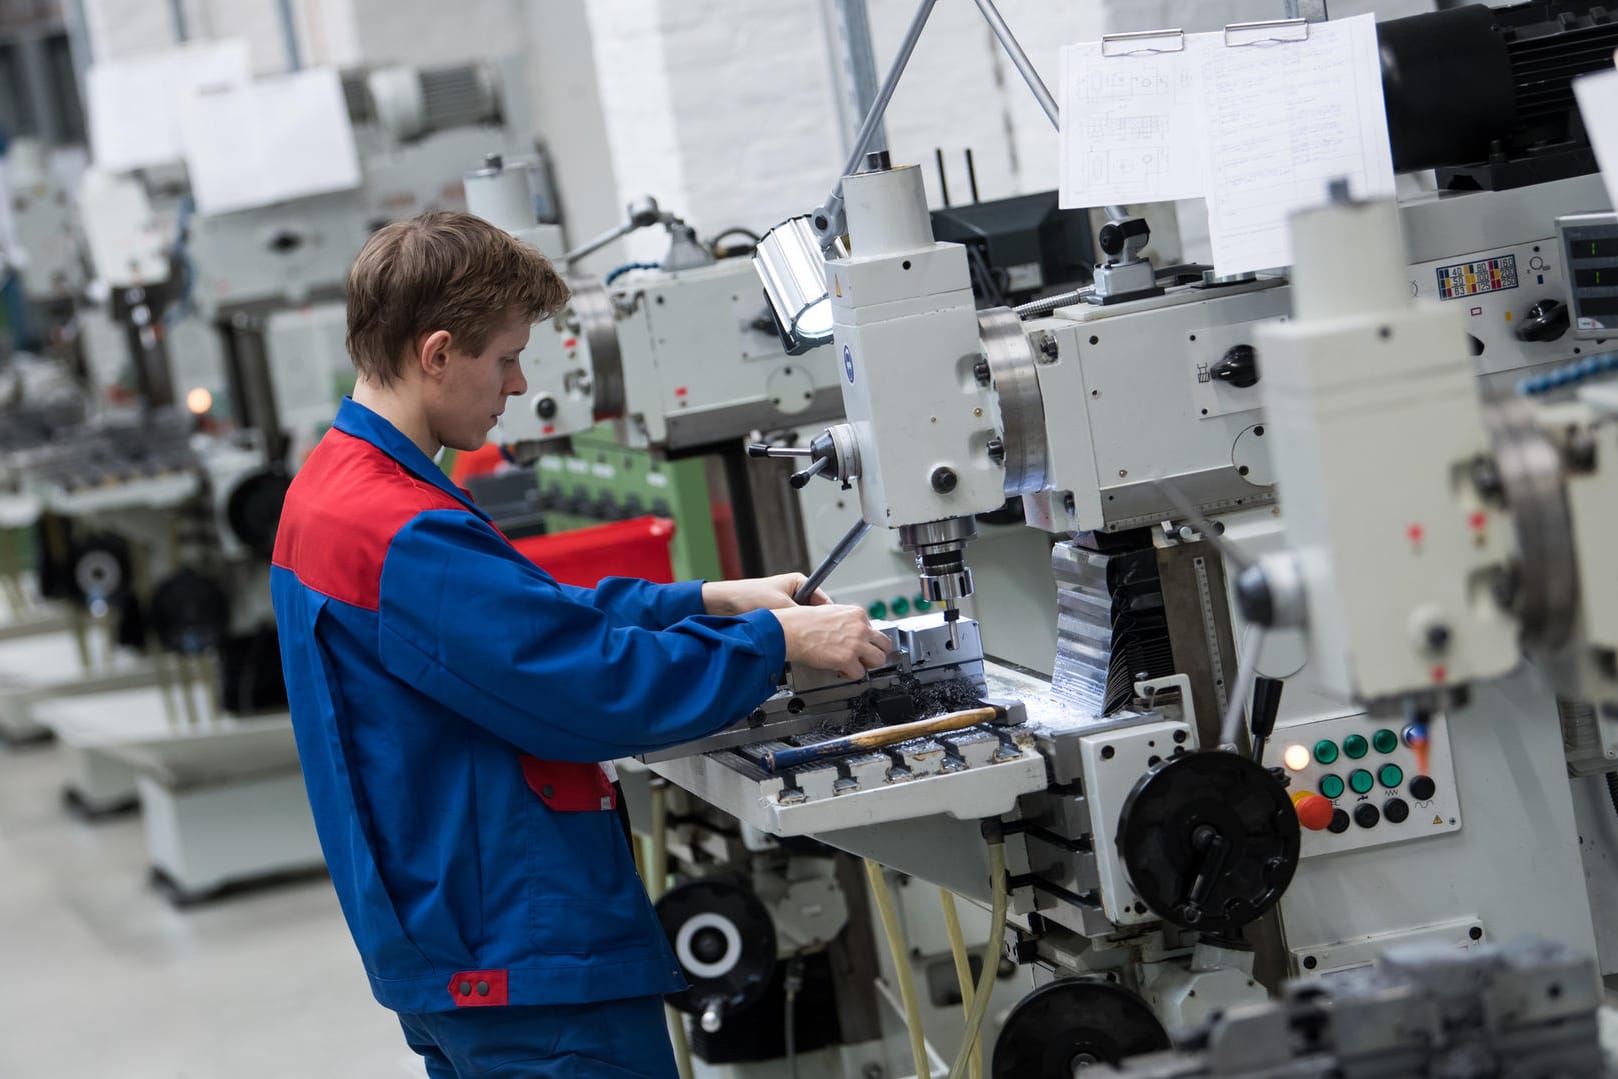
(793, 271)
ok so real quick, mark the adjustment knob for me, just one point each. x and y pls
(1547, 320)
(1237, 367)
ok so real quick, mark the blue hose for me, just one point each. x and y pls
(1568, 375)
(619, 271)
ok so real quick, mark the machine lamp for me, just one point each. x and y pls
(1296, 758)
(793, 270)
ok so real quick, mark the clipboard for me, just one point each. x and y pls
(1264, 32)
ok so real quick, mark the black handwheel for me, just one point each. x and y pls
(1210, 840)
(190, 612)
(254, 509)
(724, 941)
(1069, 1023)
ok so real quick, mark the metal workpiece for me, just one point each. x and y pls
(1013, 372)
(924, 676)
(1527, 1008)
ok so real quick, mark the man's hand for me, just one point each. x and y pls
(833, 637)
(755, 593)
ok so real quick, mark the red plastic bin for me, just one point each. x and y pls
(638, 547)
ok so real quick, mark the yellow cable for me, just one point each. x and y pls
(901, 966)
(657, 879)
(963, 968)
(991, 957)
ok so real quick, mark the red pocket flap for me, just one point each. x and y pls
(568, 786)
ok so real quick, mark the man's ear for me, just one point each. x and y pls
(432, 352)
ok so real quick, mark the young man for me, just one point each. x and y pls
(450, 700)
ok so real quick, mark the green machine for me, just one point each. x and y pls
(601, 481)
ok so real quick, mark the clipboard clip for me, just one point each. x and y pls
(1266, 32)
(1142, 42)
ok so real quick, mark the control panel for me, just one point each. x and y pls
(1513, 300)
(1381, 782)
(1590, 246)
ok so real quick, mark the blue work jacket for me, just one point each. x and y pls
(450, 701)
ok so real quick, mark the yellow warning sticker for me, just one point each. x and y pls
(1437, 819)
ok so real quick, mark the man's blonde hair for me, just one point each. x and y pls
(441, 271)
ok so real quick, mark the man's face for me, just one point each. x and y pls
(474, 389)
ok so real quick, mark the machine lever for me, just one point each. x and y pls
(1215, 848)
(800, 480)
(1266, 705)
(764, 449)
(850, 540)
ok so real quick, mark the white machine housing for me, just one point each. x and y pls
(1363, 382)
(906, 334)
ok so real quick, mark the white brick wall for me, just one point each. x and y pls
(726, 110)
(123, 28)
(431, 32)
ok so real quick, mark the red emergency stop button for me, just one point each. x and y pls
(1314, 812)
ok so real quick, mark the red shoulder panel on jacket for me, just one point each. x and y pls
(344, 507)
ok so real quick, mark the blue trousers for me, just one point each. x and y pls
(614, 1039)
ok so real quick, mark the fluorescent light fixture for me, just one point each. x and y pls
(790, 265)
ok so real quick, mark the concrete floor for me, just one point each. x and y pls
(106, 978)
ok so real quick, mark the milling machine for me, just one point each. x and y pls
(1164, 859)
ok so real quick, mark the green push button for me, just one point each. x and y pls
(1360, 781)
(1385, 741)
(1356, 746)
(1325, 751)
(1331, 786)
(877, 609)
(901, 607)
(923, 603)
(1390, 775)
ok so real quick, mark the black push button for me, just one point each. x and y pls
(1422, 788)
(1396, 810)
(1339, 822)
(1366, 815)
